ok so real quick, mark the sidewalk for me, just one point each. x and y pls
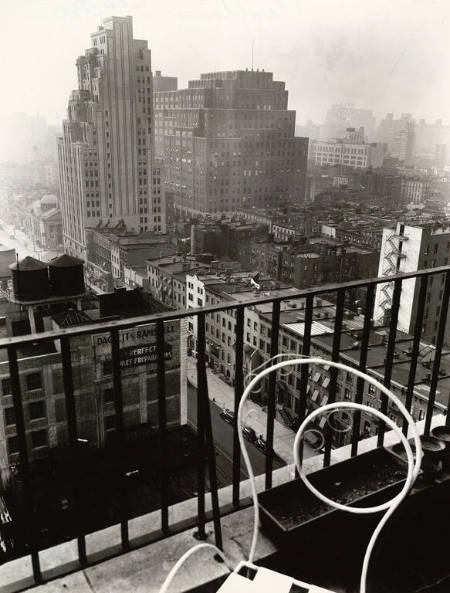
(223, 395)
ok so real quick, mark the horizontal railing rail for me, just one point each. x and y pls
(105, 325)
(206, 465)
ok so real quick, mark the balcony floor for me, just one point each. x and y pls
(411, 556)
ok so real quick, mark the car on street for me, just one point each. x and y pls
(249, 434)
(227, 415)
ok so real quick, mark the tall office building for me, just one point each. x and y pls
(106, 151)
(228, 141)
(399, 135)
(407, 249)
(342, 116)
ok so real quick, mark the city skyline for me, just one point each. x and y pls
(369, 56)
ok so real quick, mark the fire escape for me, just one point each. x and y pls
(392, 258)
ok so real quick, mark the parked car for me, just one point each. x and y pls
(260, 443)
(227, 415)
(249, 434)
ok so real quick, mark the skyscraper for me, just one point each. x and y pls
(106, 151)
(228, 141)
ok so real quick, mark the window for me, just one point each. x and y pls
(33, 381)
(36, 410)
(421, 414)
(6, 386)
(39, 438)
(347, 394)
(110, 422)
(107, 367)
(13, 445)
(10, 417)
(371, 389)
(108, 395)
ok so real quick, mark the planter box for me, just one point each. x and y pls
(368, 479)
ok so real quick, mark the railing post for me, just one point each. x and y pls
(24, 463)
(438, 353)
(238, 389)
(370, 300)
(201, 519)
(204, 405)
(415, 348)
(304, 370)
(271, 404)
(340, 301)
(71, 415)
(120, 432)
(390, 351)
(162, 422)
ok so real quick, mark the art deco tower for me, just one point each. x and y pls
(106, 152)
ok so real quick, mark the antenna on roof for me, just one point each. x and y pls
(253, 44)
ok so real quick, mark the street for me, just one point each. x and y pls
(23, 245)
(223, 394)
(223, 439)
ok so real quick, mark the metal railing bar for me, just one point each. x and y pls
(201, 533)
(120, 435)
(340, 302)
(415, 348)
(24, 463)
(162, 426)
(438, 353)
(271, 403)
(390, 350)
(370, 301)
(204, 405)
(71, 416)
(304, 371)
(103, 326)
(238, 390)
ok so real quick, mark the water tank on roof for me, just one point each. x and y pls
(30, 280)
(66, 276)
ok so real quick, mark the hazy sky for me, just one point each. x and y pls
(386, 55)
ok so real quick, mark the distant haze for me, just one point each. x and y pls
(388, 55)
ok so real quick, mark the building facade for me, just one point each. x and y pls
(406, 249)
(346, 152)
(228, 141)
(43, 223)
(42, 386)
(106, 152)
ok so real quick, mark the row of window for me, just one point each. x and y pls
(38, 439)
(32, 381)
(36, 411)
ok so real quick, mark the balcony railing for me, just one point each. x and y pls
(205, 436)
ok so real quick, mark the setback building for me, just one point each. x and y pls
(106, 152)
(228, 141)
